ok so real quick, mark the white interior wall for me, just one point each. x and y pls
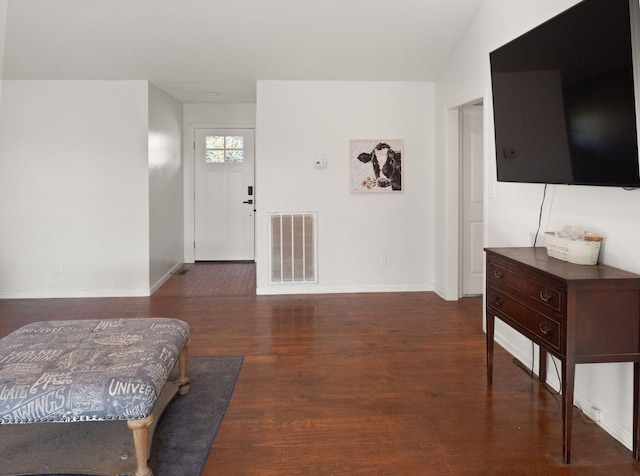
(301, 121)
(166, 211)
(511, 217)
(74, 189)
(206, 115)
(3, 35)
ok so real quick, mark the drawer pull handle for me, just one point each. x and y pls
(497, 273)
(498, 301)
(545, 328)
(545, 295)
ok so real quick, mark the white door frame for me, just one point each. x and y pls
(451, 287)
(226, 230)
(188, 142)
(466, 167)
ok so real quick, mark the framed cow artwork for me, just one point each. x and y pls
(376, 165)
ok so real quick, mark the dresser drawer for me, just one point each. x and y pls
(537, 293)
(531, 323)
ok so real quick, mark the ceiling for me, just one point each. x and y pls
(215, 50)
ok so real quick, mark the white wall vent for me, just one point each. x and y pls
(293, 248)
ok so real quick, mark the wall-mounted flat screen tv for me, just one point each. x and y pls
(564, 99)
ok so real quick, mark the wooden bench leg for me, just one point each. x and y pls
(141, 442)
(184, 380)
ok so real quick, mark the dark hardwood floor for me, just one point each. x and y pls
(357, 384)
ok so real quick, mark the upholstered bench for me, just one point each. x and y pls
(98, 377)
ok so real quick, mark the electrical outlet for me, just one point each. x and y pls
(382, 262)
(320, 163)
(58, 267)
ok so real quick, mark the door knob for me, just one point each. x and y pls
(248, 201)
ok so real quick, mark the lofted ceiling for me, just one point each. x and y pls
(215, 51)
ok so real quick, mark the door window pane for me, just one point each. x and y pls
(215, 156)
(215, 142)
(234, 142)
(221, 149)
(234, 156)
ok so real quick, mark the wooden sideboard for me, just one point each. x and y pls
(579, 314)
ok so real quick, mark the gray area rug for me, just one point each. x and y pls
(189, 424)
(186, 430)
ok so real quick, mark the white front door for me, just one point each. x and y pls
(224, 194)
(472, 201)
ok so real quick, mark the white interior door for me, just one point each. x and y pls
(224, 194)
(472, 201)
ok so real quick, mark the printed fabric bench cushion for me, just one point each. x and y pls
(82, 370)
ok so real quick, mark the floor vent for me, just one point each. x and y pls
(293, 248)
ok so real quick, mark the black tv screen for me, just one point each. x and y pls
(563, 100)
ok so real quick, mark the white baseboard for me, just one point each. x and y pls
(315, 289)
(89, 293)
(73, 294)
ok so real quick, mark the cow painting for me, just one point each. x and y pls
(386, 165)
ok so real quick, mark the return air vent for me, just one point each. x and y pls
(293, 248)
